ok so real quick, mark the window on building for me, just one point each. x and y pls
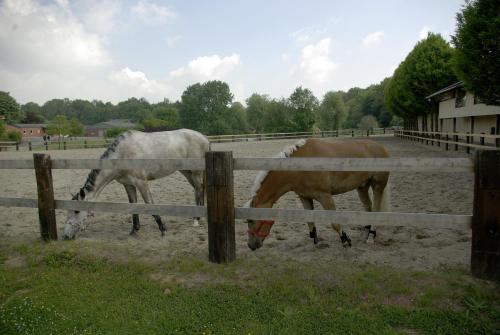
(460, 99)
(31, 131)
(24, 131)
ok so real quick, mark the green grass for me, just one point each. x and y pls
(58, 289)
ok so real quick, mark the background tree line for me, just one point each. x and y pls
(209, 108)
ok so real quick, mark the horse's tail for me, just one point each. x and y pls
(385, 202)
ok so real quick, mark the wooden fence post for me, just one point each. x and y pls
(17, 146)
(485, 252)
(481, 140)
(220, 207)
(352, 133)
(446, 146)
(29, 145)
(455, 139)
(64, 145)
(85, 144)
(46, 211)
(467, 148)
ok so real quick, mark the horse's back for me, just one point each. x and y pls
(315, 147)
(182, 143)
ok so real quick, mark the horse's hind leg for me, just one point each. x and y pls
(132, 198)
(364, 196)
(327, 203)
(196, 180)
(381, 199)
(307, 203)
(148, 199)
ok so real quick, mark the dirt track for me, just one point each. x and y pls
(407, 247)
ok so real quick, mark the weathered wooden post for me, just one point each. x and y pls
(467, 148)
(220, 206)
(85, 144)
(17, 146)
(438, 137)
(47, 146)
(481, 139)
(29, 145)
(485, 252)
(455, 139)
(64, 145)
(446, 146)
(352, 133)
(46, 210)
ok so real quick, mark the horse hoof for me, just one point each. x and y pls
(346, 240)
(196, 223)
(370, 240)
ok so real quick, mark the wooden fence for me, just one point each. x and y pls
(221, 213)
(466, 140)
(101, 143)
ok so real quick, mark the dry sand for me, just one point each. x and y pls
(435, 192)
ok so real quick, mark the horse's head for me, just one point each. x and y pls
(258, 230)
(75, 222)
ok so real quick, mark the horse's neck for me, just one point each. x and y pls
(95, 183)
(271, 189)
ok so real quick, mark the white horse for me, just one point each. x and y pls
(183, 143)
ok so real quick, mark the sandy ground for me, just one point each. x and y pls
(395, 246)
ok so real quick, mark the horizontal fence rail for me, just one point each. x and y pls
(357, 218)
(347, 218)
(276, 164)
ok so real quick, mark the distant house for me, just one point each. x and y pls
(456, 110)
(29, 130)
(99, 129)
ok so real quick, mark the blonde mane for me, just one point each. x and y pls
(287, 152)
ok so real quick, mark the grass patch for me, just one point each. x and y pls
(61, 290)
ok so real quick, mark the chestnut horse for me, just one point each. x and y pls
(269, 186)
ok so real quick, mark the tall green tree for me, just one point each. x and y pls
(32, 113)
(277, 117)
(302, 106)
(9, 108)
(169, 114)
(256, 109)
(332, 112)
(204, 106)
(426, 69)
(477, 44)
(75, 128)
(59, 126)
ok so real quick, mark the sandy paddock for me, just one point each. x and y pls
(435, 192)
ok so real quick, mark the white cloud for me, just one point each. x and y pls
(171, 41)
(99, 15)
(208, 67)
(46, 38)
(317, 66)
(151, 13)
(137, 84)
(372, 39)
(423, 32)
(307, 34)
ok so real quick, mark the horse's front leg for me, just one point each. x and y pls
(196, 180)
(132, 198)
(148, 199)
(327, 203)
(308, 204)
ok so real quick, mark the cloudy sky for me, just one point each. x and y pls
(112, 49)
